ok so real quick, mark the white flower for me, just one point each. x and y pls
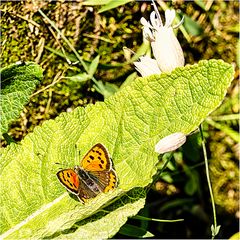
(170, 142)
(147, 66)
(165, 46)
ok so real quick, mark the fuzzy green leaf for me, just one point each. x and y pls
(116, 215)
(129, 124)
(18, 81)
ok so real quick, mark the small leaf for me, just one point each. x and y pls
(193, 182)
(134, 231)
(93, 66)
(82, 77)
(200, 3)
(106, 89)
(108, 4)
(217, 229)
(129, 79)
(113, 4)
(18, 81)
(95, 2)
(192, 26)
(214, 230)
(134, 56)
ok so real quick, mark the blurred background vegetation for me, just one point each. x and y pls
(210, 30)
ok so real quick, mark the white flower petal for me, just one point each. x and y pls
(154, 20)
(144, 22)
(147, 34)
(147, 66)
(169, 17)
(167, 50)
(157, 13)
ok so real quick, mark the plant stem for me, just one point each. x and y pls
(209, 182)
(8, 138)
(160, 172)
(225, 117)
(224, 128)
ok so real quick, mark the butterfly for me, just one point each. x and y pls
(94, 175)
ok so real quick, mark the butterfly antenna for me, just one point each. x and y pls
(60, 164)
(77, 152)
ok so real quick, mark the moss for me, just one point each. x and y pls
(224, 172)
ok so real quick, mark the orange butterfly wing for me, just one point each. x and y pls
(106, 180)
(97, 159)
(69, 179)
(112, 183)
(98, 163)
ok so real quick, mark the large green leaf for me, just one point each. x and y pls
(18, 81)
(129, 124)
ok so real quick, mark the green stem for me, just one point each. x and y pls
(225, 117)
(160, 172)
(209, 182)
(157, 220)
(225, 128)
(8, 138)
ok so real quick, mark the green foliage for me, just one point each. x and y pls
(136, 232)
(192, 26)
(83, 77)
(129, 123)
(18, 81)
(108, 4)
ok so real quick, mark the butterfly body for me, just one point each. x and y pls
(93, 176)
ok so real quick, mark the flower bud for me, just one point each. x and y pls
(170, 142)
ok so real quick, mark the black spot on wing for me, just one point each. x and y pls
(99, 153)
(63, 176)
